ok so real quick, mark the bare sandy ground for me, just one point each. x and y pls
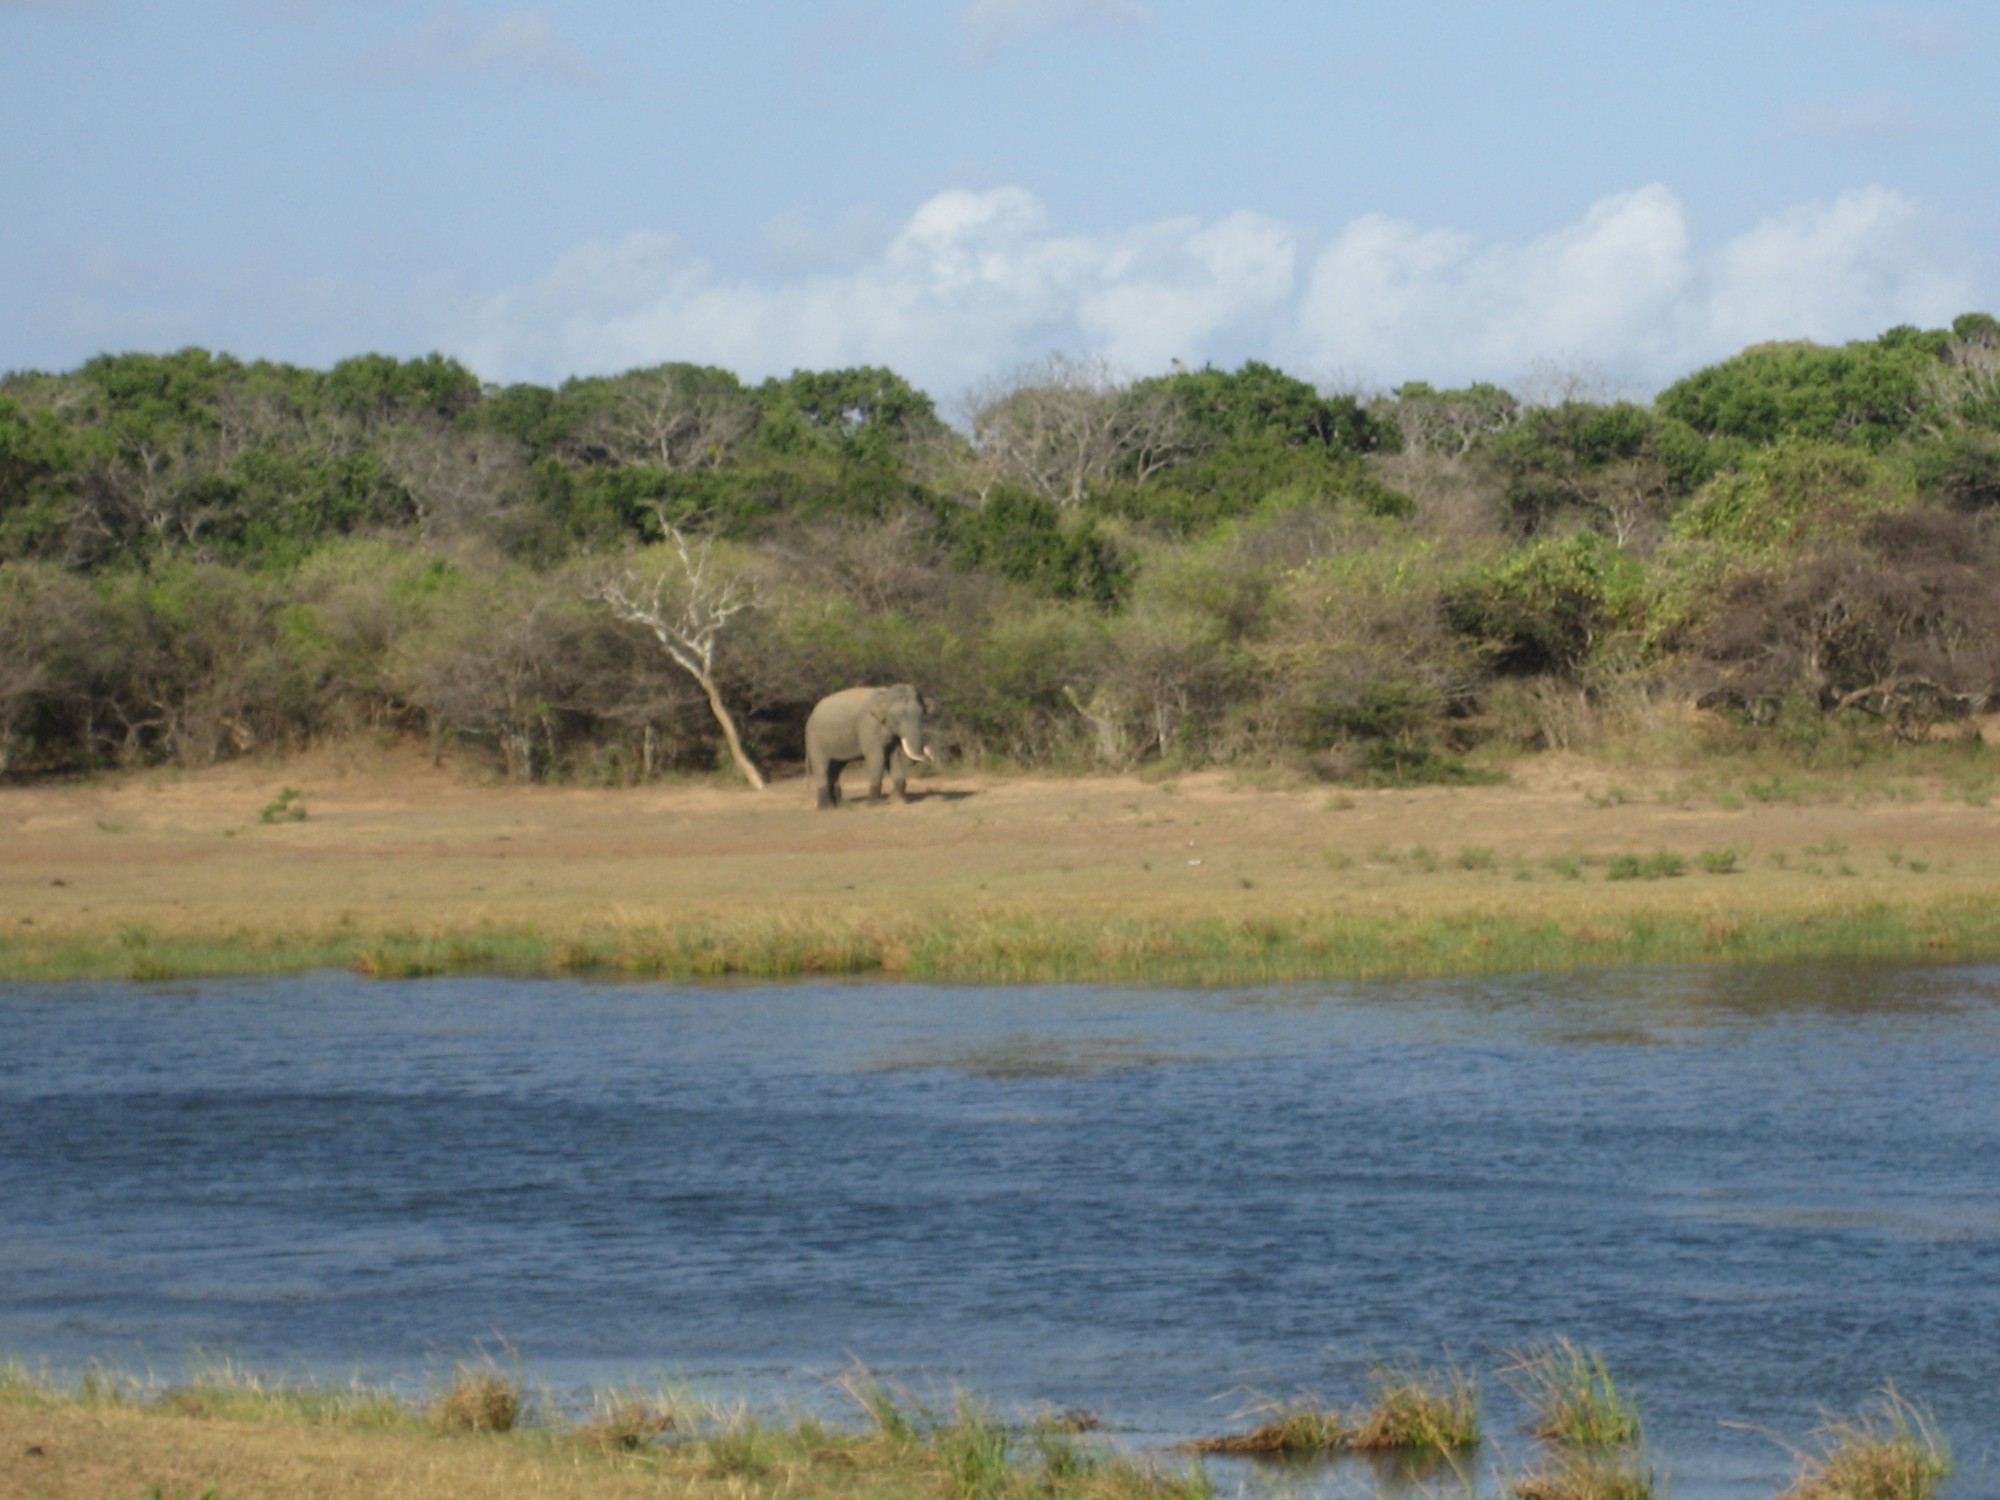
(391, 843)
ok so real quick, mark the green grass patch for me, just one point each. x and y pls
(1574, 1400)
(1053, 946)
(284, 808)
(1661, 864)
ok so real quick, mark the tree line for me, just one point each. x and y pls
(202, 557)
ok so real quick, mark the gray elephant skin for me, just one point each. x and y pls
(883, 727)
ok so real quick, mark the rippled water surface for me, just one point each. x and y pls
(1758, 1192)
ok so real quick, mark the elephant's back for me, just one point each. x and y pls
(846, 701)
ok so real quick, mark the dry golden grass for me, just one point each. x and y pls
(1417, 1411)
(1617, 1473)
(65, 1446)
(1409, 1411)
(1288, 1430)
(398, 867)
(480, 1398)
(1890, 1451)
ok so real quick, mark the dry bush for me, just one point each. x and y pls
(625, 1421)
(1458, 499)
(1906, 624)
(480, 1398)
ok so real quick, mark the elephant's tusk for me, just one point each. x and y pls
(915, 754)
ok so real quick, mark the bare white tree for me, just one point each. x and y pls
(687, 603)
(1551, 382)
(1065, 424)
(674, 416)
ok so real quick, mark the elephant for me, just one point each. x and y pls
(882, 726)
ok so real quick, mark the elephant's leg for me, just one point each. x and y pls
(899, 772)
(877, 763)
(826, 782)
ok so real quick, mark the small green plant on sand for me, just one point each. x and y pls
(1661, 864)
(1574, 1399)
(1891, 1450)
(1719, 861)
(284, 808)
(1476, 857)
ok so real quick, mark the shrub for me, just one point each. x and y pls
(1546, 607)
(480, 1398)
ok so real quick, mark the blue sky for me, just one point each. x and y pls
(1360, 191)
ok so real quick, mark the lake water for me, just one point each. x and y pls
(1758, 1192)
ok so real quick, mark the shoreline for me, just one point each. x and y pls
(224, 1429)
(378, 862)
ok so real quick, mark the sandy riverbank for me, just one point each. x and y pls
(134, 873)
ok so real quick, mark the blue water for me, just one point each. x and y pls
(1758, 1192)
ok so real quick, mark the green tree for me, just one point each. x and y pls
(867, 414)
(1864, 393)
(377, 388)
(1023, 537)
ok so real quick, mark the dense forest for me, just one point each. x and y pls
(201, 558)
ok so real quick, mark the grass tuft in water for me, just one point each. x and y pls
(1619, 1473)
(1289, 1429)
(1417, 1411)
(1891, 1450)
(1574, 1399)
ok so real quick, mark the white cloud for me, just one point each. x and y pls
(994, 25)
(524, 43)
(1623, 289)
(1390, 297)
(973, 283)
(977, 283)
(1829, 270)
